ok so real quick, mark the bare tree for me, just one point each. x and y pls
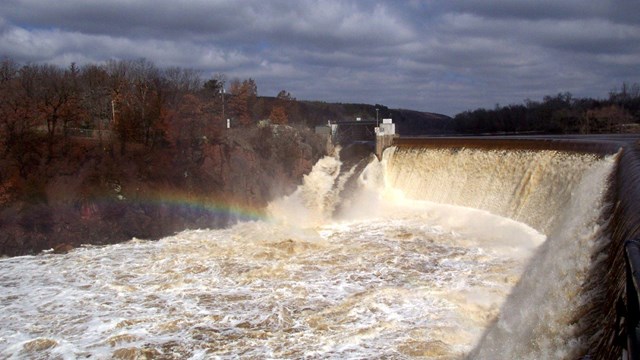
(19, 118)
(57, 98)
(96, 98)
(8, 70)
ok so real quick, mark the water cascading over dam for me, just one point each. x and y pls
(560, 194)
(435, 252)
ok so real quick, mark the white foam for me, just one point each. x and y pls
(260, 288)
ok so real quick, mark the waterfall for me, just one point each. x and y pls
(561, 194)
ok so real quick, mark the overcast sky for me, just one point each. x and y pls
(437, 56)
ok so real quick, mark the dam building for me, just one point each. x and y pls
(369, 131)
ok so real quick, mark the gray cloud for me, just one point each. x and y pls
(427, 55)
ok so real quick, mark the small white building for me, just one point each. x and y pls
(386, 128)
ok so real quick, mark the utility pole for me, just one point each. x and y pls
(377, 123)
(222, 92)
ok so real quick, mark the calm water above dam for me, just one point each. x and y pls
(420, 260)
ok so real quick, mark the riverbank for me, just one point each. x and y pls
(94, 194)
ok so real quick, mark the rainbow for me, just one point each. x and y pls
(237, 211)
(191, 202)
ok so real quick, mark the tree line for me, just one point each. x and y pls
(89, 153)
(559, 114)
(120, 103)
(123, 103)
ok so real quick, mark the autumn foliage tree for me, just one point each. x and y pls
(186, 130)
(278, 115)
(606, 119)
(243, 97)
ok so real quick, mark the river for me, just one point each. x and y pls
(421, 258)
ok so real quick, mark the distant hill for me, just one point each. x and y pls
(314, 113)
(411, 122)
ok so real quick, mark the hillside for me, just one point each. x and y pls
(314, 113)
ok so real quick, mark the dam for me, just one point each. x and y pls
(606, 321)
(445, 248)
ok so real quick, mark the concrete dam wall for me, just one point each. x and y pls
(581, 193)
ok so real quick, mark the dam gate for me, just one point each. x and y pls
(344, 133)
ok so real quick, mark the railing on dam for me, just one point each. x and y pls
(632, 318)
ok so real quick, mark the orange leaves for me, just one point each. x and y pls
(278, 115)
(243, 97)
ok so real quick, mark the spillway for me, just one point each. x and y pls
(444, 249)
(596, 312)
(561, 194)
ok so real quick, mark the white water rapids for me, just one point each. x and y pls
(403, 268)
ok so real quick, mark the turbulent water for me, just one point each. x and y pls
(402, 267)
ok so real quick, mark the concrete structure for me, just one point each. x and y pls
(349, 132)
(385, 134)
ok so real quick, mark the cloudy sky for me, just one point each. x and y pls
(437, 56)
